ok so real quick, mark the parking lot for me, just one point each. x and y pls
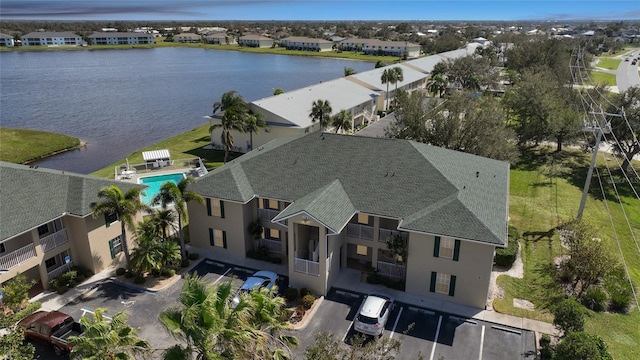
(421, 331)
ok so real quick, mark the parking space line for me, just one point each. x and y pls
(481, 343)
(223, 275)
(435, 340)
(396, 323)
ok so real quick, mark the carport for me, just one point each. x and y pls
(156, 158)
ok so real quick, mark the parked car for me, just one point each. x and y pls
(373, 314)
(51, 327)
(261, 279)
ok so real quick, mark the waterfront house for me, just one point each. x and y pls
(6, 40)
(391, 48)
(45, 38)
(221, 38)
(120, 38)
(187, 38)
(329, 202)
(287, 114)
(46, 223)
(306, 44)
(255, 41)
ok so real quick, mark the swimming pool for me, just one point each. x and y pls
(155, 182)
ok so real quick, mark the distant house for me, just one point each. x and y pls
(221, 38)
(255, 41)
(306, 44)
(6, 40)
(44, 38)
(187, 38)
(329, 202)
(120, 38)
(46, 223)
(392, 48)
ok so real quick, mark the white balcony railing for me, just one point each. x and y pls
(391, 270)
(17, 257)
(306, 266)
(59, 270)
(54, 240)
(274, 246)
(360, 231)
(384, 234)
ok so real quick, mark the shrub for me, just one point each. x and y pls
(291, 294)
(619, 289)
(139, 279)
(184, 263)
(8, 320)
(545, 347)
(595, 299)
(168, 272)
(307, 301)
(16, 291)
(120, 271)
(568, 316)
(194, 256)
(304, 292)
(580, 345)
(507, 256)
(61, 289)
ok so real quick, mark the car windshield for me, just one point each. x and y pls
(367, 320)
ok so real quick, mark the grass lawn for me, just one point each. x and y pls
(599, 77)
(608, 63)
(182, 146)
(21, 145)
(545, 192)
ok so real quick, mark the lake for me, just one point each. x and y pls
(119, 101)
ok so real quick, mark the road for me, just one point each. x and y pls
(627, 75)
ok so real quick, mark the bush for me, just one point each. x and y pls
(580, 345)
(595, 299)
(546, 351)
(507, 256)
(194, 256)
(120, 271)
(568, 316)
(304, 292)
(620, 295)
(8, 320)
(184, 263)
(168, 272)
(307, 301)
(61, 289)
(82, 271)
(291, 294)
(139, 279)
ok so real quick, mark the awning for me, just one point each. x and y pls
(156, 155)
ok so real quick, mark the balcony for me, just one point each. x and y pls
(360, 231)
(267, 214)
(306, 266)
(274, 246)
(391, 270)
(17, 257)
(59, 270)
(54, 240)
(387, 233)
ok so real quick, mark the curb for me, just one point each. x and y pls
(174, 279)
(305, 320)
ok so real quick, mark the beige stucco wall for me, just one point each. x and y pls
(317, 284)
(98, 237)
(235, 221)
(472, 270)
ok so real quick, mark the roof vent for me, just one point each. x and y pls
(477, 173)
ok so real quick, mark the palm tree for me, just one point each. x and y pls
(105, 338)
(388, 76)
(229, 100)
(349, 71)
(163, 219)
(146, 256)
(124, 205)
(178, 195)
(253, 123)
(437, 85)
(321, 112)
(398, 76)
(233, 118)
(342, 120)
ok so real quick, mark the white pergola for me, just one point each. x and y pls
(157, 158)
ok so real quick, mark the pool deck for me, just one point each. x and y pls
(134, 177)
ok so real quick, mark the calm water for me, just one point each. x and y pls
(119, 101)
(154, 184)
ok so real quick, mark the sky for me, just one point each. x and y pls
(422, 10)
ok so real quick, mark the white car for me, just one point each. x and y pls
(373, 314)
(261, 279)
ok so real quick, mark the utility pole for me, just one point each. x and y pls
(598, 126)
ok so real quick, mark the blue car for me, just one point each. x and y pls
(261, 279)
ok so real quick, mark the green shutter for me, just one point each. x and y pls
(452, 285)
(113, 253)
(456, 250)
(221, 209)
(436, 247)
(432, 287)
(224, 239)
(211, 242)
(107, 223)
(208, 207)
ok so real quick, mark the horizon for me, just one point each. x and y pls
(313, 10)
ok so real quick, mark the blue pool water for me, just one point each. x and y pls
(155, 182)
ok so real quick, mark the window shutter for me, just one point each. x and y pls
(436, 247)
(107, 223)
(452, 285)
(432, 287)
(111, 250)
(222, 209)
(456, 250)
(208, 207)
(224, 239)
(211, 237)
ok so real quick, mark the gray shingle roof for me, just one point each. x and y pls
(432, 190)
(31, 197)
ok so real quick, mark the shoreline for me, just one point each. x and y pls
(80, 146)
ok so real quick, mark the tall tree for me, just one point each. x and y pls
(321, 113)
(234, 109)
(388, 76)
(179, 196)
(105, 338)
(437, 84)
(398, 76)
(124, 205)
(626, 128)
(253, 122)
(342, 121)
(146, 255)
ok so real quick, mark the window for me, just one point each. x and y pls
(43, 230)
(2, 248)
(446, 248)
(363, 219)
(272, 234)
(49, 263)
(272, 204)
(110, 218)
(215, 207)
(218, 238)
(115, 246)
(442, 283)
(362, 250)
